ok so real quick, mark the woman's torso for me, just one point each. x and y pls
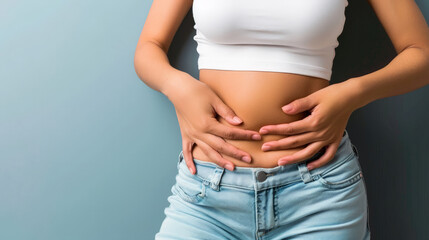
(270, 53)
(257, 97)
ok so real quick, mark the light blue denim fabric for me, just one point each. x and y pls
(283, 202)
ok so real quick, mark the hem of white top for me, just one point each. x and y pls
(268, 66)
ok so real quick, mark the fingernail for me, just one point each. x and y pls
(256, 137)
(310, 167)
(265, 147)
(230, 167)
(263, 131)
(282, 162)
(287, 108)
(246, 159)
(237, 119)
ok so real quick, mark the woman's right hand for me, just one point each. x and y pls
(197, 107)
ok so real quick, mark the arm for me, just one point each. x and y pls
(332, 106)
(409, 70)
(197, 119)
(150, 60)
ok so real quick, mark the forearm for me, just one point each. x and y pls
(153, 68)
(408, 71)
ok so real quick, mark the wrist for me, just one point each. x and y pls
(354, 93)
(175, 84)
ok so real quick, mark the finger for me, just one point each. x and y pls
(300, 126)
(223, 147)
(215, 156)
(301, 155)
(299, 105)
(187, 154)
(290, 142)
(226, 112)
(227, 132)
(326, 157)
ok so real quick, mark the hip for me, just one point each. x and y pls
(329, 202)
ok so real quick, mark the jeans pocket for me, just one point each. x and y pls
(342, 175)
(190, 188)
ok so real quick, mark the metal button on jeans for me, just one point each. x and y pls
(261, 176)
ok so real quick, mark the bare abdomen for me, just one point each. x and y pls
(257, 97)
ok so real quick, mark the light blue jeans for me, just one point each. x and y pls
(283, 202)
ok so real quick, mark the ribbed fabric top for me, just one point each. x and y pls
(293, 36)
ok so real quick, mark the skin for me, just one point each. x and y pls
(319, 112)
(257, 98)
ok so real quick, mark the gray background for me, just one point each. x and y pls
(87, 151)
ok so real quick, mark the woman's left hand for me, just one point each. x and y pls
(330, 109)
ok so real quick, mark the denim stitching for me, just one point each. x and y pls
(183, 195)
(276, 208)
(344, 183)
(347, 158)
(252, 188)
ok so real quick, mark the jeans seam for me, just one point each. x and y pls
(344, 183)
(367, 204)
(188, 198)
(276, 208)
(341, 184)
(334, 166)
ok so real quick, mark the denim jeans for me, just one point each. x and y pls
(283, 202)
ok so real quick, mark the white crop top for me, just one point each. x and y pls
(293, 36)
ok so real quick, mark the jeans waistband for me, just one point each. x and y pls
(263, 178)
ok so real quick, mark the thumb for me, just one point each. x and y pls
(298, 105)
(226, 112)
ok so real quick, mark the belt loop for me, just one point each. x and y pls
(216, 177)
(179, 159)
(302, 166)
(305, 174)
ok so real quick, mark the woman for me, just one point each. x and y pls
(286, 168)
